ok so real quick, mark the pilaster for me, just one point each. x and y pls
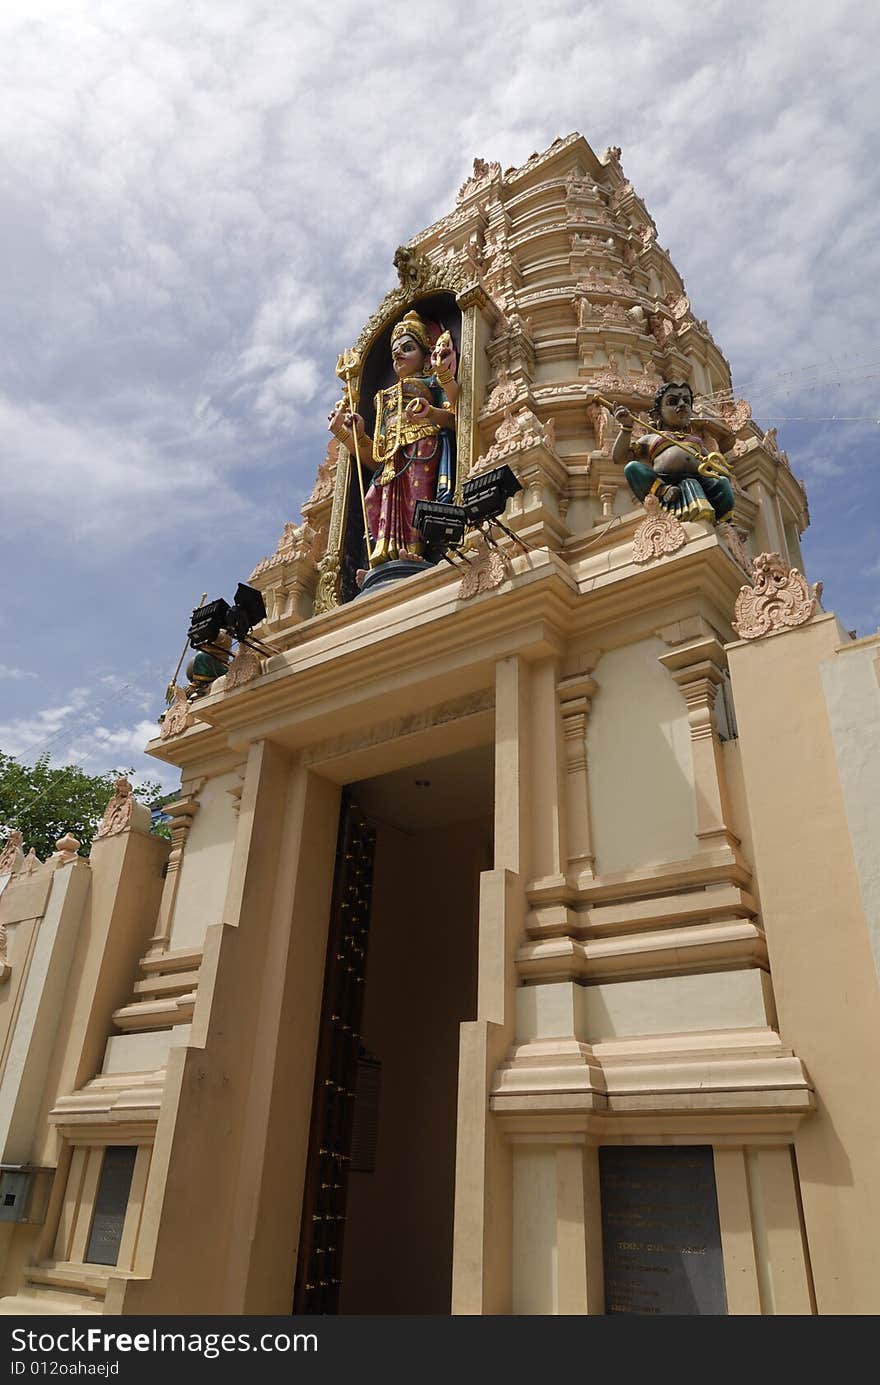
(698, 670)
(181, 814)
(575, 701)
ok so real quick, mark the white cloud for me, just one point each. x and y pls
(6, 671)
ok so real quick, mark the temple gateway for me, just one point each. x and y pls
(516, 947)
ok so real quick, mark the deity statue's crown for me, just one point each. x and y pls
(412, 326)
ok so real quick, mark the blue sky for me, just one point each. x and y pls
(200, 203)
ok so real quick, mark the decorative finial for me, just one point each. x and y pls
(67, 849)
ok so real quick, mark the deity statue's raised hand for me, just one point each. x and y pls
(343, 424)
(444, 364)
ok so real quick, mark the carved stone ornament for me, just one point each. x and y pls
(733, 542)
(662, 328)
(298, 542)
(621, 194)
(327, 594)
(66, 850)
(582, 245)
(597, 418)
(612, 381)
(737, 414)
(174, 720)
(11, 857)
(779, 599)
(483, 173)
(658, 534)
(679, 305)
(503, 393)
(323, 486)
(489, 569)
(117, 814)
(245, 667)
(417, 274)
(516, 433)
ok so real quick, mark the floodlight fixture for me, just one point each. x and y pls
(207, 622)
(248, 610)
(440, 525)
(237, 620)
(485, 496)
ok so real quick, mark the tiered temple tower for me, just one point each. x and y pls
(516, 947)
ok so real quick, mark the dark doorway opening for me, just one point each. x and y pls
(433, 827)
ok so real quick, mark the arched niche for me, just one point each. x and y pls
(444, 293)
(376, 374)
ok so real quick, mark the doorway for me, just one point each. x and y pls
(434, 826)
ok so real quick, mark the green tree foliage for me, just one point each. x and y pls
(44, 803)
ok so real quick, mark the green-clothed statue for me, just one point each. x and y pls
(673, 465)
(205, 667)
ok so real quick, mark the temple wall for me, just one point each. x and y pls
(641, 772)
(651, 1006)
(823, 967)
(41, 953)
(851, 683)
(204, 872)
(535, 1283)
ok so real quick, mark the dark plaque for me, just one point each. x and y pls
(111, 1204)
(660, 1232)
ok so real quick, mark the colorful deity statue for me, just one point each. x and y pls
(411, 452)
(209, 663)
(672, 463)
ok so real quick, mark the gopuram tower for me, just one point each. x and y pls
(513, 950)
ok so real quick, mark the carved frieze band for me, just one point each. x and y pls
(469, 705)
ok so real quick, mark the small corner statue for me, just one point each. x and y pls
(412, 451)
(671, 461)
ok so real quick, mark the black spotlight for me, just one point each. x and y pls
(441, 526)
(486, 496)
(207, 622)
(248, 610)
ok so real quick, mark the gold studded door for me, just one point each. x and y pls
(318, 1279)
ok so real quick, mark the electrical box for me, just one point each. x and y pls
(24, 1193)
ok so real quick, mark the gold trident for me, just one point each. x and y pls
(713, 464)
(347, 367)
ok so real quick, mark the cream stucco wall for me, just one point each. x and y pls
(824, 977)
(534, 1231)
(641, 772)
(851, 680)
(204, 872)
(657, 1005)
(44, 969)
(144, 1052)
